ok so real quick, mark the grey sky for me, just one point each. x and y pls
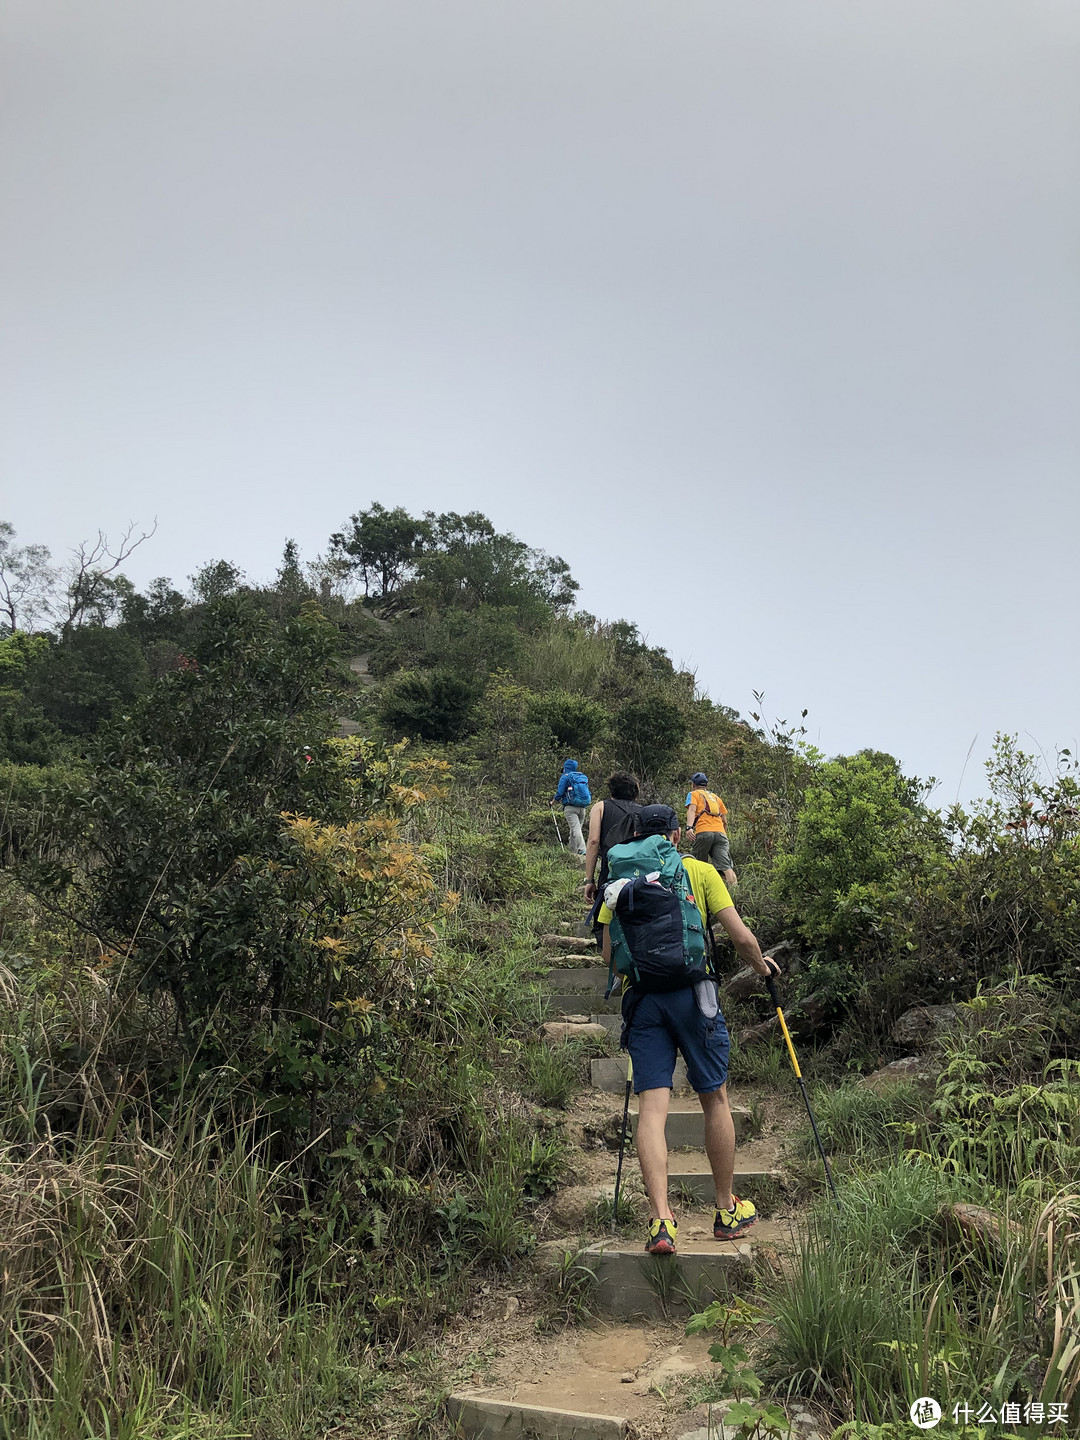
(766, 315)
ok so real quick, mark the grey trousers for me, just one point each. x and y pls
(575, 814)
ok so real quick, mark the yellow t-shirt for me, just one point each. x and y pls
(701, 817)
(708, 888)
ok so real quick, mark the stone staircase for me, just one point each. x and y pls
(579, 1396)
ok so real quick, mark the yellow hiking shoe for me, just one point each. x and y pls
(729, 1223)
(662, 1237)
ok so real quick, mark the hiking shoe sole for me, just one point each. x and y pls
(661, 1247)
(736, 1230)
(662, 1243)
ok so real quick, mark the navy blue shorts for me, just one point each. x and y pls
(662, 1024)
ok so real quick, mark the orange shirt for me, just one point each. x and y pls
(707, 812)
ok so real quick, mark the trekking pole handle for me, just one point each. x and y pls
(770, 980)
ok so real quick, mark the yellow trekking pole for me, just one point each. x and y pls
(622, 1142)
(770, 984)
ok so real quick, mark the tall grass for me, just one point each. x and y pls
(143, 1276)
(953, 1267)
(892, 1300)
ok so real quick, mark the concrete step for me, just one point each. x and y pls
(686, 1124)
(631, 1284)
(581, 1004)
(699, 1184)
(609, 1074)
(592, 980)
(611, 1023)
(480, 1418)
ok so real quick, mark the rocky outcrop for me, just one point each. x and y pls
(922, 1024)
(744, 983)
(913, 1069)
(804, 1018)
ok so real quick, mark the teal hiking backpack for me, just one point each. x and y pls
(657, 934)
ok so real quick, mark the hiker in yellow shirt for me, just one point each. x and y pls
(687, 1020)
(705, 826)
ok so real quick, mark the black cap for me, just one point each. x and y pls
(657, 820)
(699, 778)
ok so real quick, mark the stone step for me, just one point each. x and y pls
(591, 980)
(576, 943)
(686, 1124)
(480, 1418)
(580, 1004)
(632, 1285)
(559, 1032)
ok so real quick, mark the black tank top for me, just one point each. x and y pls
(615, 812)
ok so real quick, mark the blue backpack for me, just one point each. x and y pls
(657, 934)
(577, 792)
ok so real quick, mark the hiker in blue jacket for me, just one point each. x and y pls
(575, 797)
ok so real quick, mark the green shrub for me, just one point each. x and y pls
(437, 705)
(573, 722)
(650, 731)
(487, 867)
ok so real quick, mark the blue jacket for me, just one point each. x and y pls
(570, 772)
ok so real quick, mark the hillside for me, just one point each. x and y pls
(282, 1136)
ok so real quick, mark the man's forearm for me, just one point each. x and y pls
(750, 951)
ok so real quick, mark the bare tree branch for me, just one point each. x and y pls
(90, 573)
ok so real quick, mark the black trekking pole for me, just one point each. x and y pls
(622, 1143)
(770, 984)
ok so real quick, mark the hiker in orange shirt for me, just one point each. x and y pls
(705, 826)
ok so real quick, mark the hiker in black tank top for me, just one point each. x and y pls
(606, 819)
(616, 828)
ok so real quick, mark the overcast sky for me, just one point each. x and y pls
(765, 315)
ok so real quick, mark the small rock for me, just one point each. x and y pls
(628, 1378)
(911, 1068)
(569, 1206)
(557, 1032)
(549, 1253)
(513, 1305)
(977, 1220)
(923, 1023)
(564, 924)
